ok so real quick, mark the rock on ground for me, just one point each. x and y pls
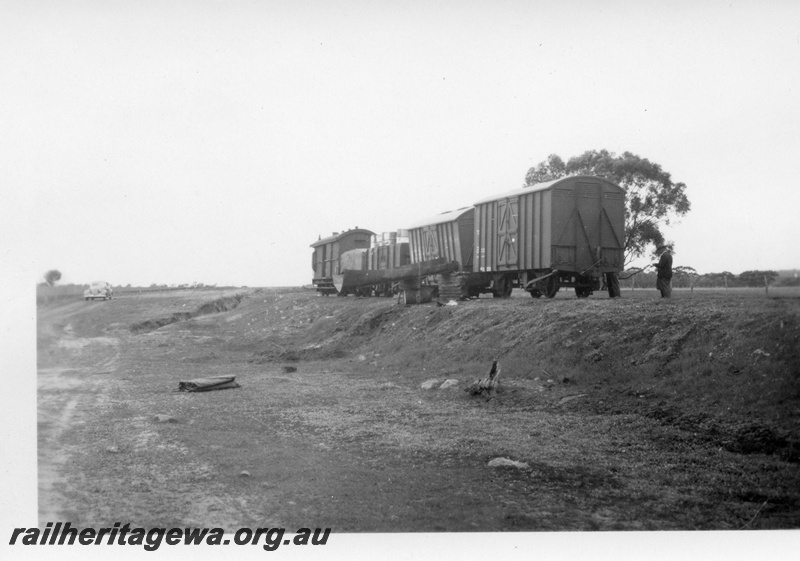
(429, 384)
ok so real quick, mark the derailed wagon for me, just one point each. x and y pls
(385, 270)
(368, 271)
(387, 252)
(563, 233)
(365, 264)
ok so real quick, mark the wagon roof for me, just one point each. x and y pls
(448, 216)
(340, 235)
(544, 186)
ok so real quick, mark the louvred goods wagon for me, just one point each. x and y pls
(325, 259)
(450, 236)
(563, 233)
(446, 235)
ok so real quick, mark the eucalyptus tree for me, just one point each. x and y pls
(652, 199)
(52, 276)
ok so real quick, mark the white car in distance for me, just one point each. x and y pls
(98, 289)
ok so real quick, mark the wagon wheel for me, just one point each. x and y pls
(550, 286)
(509, 288)
(582, 292)
(499, 286)
(503, 288)
(536, 293)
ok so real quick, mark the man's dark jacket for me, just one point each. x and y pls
(665, 266)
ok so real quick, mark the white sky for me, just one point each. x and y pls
(178, 142)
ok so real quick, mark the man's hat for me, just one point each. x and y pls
(663, 246)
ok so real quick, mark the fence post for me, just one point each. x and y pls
(766, 285)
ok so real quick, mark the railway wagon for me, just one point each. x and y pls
(387, 252)
(563, 233)
(449, 235)
(326, 257)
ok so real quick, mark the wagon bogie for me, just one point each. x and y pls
(548, 283)
(503, 285)
(584, 285)
(551, 286)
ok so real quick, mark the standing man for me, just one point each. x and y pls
(664, 266)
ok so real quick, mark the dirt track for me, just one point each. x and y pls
(349, 440)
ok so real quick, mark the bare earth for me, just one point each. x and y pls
(634, 414)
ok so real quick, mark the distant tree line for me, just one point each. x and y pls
(685, 277)
(185, 285)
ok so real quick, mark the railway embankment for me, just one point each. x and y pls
(726, 370)
(630, 414)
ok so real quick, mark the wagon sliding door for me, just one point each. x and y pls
(507, 225)
(430, 243)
